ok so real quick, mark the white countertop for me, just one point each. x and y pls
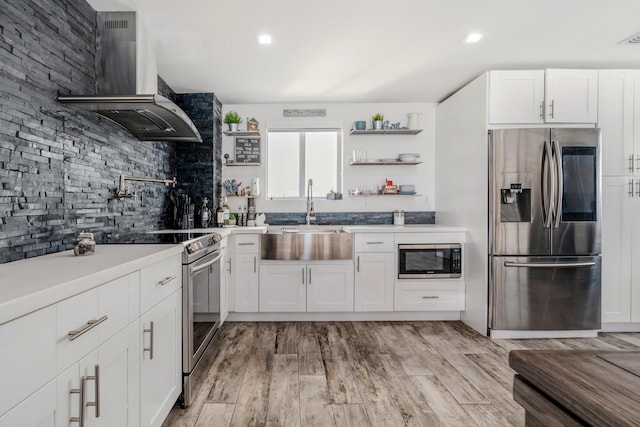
(412, 228)
(30, 284)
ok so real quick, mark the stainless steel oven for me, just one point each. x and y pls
(200, 310)
(429, 261)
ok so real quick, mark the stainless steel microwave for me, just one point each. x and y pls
(430, 261)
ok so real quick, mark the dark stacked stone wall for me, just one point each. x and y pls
(60, 166)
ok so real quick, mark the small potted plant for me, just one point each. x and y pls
(377, 121)
(232, 119)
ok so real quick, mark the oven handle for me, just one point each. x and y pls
(549, 264)
(207, 264)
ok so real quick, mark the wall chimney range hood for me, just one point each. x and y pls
(127, 83)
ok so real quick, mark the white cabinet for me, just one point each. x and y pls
(300, 287)
(430, 295)
(374, 272)
(615, 120)
(516, 96)
(620, 246)
(537, 96)
(245, 276)
(38, 410)
(225, 271)
(160, 360)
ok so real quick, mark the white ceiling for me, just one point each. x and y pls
(374, 51)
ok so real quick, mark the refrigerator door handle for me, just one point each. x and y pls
(559, 187)
(547, 189)
(550, 264)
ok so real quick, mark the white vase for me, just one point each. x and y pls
(233, 127)
(412, 123)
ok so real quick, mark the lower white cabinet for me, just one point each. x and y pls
(225, 262)
(245, 281)
(431, 295)
(37, 410)
(160, 360)
(300, 287)
(620, 244)
(374, 281)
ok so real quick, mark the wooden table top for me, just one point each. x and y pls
(599, 387)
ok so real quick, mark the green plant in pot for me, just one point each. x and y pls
(232, 119)
(377, 121)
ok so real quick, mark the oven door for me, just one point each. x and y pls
(426, 261)
(201, 307)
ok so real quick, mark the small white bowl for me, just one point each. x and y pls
(408, 157)
(407, 188)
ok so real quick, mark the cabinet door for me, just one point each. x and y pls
(516, 96)
(38, 410)
(282, 287)
(119, 381)
(245, 282)
(634, 253)
(224, 283)
(329, 287)
(616, 248)
(160, 360)
(374, 282)
(636, 120)
(615, 119)
(68, 402)
(571, 96)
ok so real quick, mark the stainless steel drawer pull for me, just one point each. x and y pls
(303, 275)
(631, 187)
(309, 275)
(246, 244)
(375, 243)
(552, 108)
(430, 297)
(255, 264)
(80, 418)
(96, 379)
(150, 348)
(550, 264)
(358, 264)
(72, 335)
(229, 270)
(638, 187)
(167, 280)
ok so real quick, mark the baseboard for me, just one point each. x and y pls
(506, 334)
(344, 317)
(620, 327)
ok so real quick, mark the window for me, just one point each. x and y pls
(295, 155)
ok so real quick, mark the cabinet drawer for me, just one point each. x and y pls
(158, 281)
(246, 243)
(77, 315)
(374, 242)
(27, 357)
(419, 296)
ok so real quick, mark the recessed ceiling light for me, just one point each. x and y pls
(473, 38)
(264, 39)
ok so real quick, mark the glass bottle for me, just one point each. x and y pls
(225, 208)
(220, 214)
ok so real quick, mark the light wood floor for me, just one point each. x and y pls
(365, 374)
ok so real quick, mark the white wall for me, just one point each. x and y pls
(376, 146)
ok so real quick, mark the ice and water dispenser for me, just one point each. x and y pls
(515, 204)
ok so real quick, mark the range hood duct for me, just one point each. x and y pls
(127, 83)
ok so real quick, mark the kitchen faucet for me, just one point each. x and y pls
(311, 214)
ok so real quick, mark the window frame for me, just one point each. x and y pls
(302, 138)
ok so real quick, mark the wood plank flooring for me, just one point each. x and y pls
(366, 374)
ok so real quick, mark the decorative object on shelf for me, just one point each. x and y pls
(255, 187)
(390, 189)
(401, 131)
(232, 119)
(408, 157)
(377, 121)
(393, 126)
(305, 112)
(226, 159)
(360, 125)
(412, 122)
(252, 125)
(84, 244)
(247, 151)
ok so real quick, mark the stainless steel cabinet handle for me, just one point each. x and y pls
(167, 280)
(638, 162)
(358, 264)
(72, 335)
(631, 187)
(255, 264)
(150, 348)
(430, 297)
(309, 275)
(552, 108)
(246, 244)
(542, 111)
(550, 264)
(80, 391)
(229, 270)
(375, 243)
(638, 188)
(631, 163)
(303, 275)
(96, 379)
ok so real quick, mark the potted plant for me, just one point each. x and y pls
(377, 121)
(232, 119)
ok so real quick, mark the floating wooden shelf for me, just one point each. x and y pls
(242, 133)
(385, 195)
(241, 164)
(383, 163)
(385, 132)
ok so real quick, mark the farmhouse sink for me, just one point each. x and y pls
(307, 243)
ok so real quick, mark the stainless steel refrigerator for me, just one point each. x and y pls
(544, 229)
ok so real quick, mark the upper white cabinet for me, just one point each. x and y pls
(539, 96)
(516, 96)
